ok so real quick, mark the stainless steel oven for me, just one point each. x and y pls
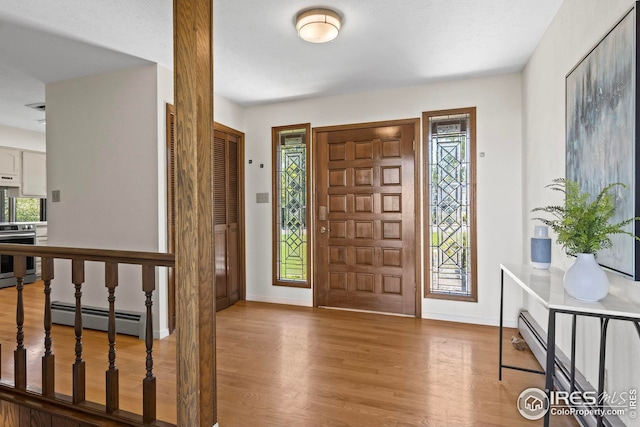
(23, 234)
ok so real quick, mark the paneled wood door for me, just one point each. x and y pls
(226, 216)
(365, 210)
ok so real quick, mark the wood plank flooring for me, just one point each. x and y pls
(297, 366)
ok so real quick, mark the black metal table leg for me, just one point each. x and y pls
(604, 323)
(501, 365)
(573, 354)
(551, 357)
(501, 316)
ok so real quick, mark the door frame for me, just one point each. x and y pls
(170, 118)
(417, 149)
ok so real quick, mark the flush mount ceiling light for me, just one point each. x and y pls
(318, 25)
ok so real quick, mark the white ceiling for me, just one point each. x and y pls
(258, 56)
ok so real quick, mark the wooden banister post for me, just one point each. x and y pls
(79, 378)
(195, 290)
(20, 353)
(112, 387)
(149, 382)
(48, 360)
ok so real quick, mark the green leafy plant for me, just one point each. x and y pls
(582, 225)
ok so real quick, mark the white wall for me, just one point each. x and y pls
(104, 133)
(228, 113)
(577, 27)
(22, 139)
(499, 178)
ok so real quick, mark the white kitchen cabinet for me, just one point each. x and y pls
(9, 167)
(34, 176)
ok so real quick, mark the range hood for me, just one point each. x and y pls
(9, 181)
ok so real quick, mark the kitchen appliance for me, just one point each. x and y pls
(23, 234)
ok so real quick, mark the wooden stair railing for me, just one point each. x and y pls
(110, 412)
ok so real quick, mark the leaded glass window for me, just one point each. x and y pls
(290, 161)
(451, 211)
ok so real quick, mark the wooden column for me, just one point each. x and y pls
(195, 291)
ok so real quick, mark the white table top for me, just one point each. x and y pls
(546, 287)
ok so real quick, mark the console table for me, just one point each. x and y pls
(546, 287)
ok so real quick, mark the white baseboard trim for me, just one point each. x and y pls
(162, 333)
(365, 311)
(275, 300)
(508, 323)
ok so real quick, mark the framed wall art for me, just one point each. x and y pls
(601, 123)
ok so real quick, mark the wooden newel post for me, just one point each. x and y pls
(79, 378)
(48, 360)
(195, 287)
(20, 353)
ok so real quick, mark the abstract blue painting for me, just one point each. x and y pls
(600, 131)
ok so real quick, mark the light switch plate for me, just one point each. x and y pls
(262, 197)
(55, 195)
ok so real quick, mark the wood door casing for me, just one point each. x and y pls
(171, 217)
(366, 201)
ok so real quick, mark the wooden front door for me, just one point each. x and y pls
(365, 210)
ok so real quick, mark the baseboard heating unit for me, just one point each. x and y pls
(536, 338)
(127, 322)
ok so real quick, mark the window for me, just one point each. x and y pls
(290, 201)
(21, 209)
(450, 234)
(27, 209)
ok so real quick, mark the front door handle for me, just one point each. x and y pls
(323, 229)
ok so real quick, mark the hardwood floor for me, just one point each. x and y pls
(298, 366)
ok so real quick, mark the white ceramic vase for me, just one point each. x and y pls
(586, 280)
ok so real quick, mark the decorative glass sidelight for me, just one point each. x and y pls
(290, 207)
(451, 211)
